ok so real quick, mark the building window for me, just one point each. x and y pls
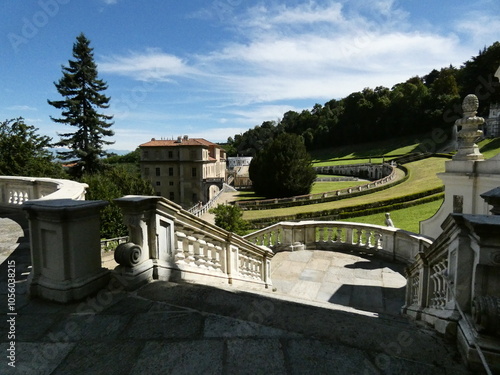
(157, 171)
(171, 171)
(193, 172)
(158, 183)
(171, 183)
(170, 154)
(171, 196)
(146, 172)
(145, 154)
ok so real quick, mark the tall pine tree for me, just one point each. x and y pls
(81, 89)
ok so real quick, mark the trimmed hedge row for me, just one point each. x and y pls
(331, 198)
(358, 210)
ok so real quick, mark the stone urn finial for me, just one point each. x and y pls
(469, 131)
(470, 105)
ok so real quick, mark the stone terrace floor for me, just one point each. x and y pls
(331, 313)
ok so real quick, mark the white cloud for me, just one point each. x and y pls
(309, 51)
(22, 108)
(479, 26)
(150, 65)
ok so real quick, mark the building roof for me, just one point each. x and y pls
(185, 141)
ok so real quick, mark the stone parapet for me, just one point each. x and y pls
(168, 243)
(65, 249)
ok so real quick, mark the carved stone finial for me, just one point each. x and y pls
(470, 105)
(469, 132)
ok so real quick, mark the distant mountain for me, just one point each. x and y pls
(55, 150)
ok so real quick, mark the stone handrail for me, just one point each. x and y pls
(14, 191)
(389, 242)
(453, 284)
(169, 243)
(384, 172)
(200, 210)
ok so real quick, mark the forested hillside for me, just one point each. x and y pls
(413, 107)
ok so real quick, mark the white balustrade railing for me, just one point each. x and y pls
(385, 172)
(14, 191)
(387, 241)
(199, 210)
(170, 243)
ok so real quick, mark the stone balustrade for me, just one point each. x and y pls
(383, 173)
(169, 243)
(14, 191)
(454, 285)
(388, 242)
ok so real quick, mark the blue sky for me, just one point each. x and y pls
(216, 68)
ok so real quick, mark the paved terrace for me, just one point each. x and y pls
(330, 313)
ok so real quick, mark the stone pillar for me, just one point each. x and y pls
(65, 249)
(139, 259)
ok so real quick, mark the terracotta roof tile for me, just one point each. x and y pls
(175, 143)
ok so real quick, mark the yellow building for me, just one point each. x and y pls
(186, 171)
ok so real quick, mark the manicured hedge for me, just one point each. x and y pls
(330, 198)
(358, 210)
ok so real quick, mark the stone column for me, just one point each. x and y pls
(65, 249)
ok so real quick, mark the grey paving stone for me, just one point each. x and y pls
(29, 327)
(300, 256)
(181, 358)
(220, 326)
(115, 358)
(161, 325)
(129, 305)
(312, 275)
(368, 298)
(35, 358)
(78, 327)
(324, 358)
(255, 356)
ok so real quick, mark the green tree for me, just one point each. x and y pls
(230, 218)
(81, 89)
(109, 184)
(23, 152)
(283, 169)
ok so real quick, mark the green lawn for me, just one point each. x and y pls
(407, 218)
(422, 177)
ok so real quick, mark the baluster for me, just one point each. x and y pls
(349, 236)
(378, 241)
(321, 234)
(265, 239)
(180, 247)
(210, 256)
(219, 260)
(330, 236)
(191, 241)
(199, 253)
(369, 243)
(339, 235)
(360, 237)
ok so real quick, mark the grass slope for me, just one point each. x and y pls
(422, 177)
